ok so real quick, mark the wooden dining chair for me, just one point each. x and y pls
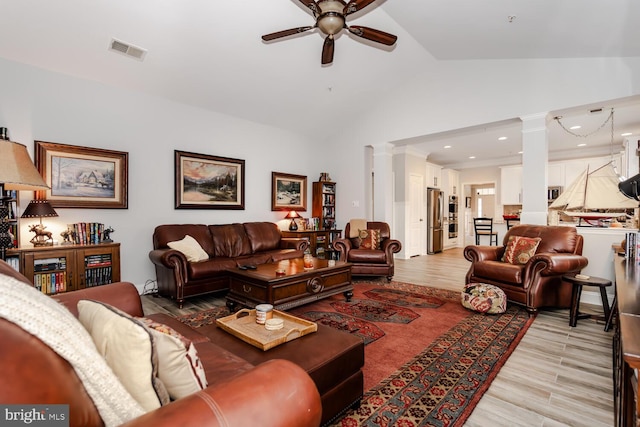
(484, 227)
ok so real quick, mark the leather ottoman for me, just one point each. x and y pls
(332, 358)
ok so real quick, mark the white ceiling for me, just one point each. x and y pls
(209, 54)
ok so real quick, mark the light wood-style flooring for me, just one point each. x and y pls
(557, 376)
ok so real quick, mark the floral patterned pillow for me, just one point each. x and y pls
(520, 249)
(369, 239)
(484, 298)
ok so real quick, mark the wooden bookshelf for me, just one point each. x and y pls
(64, 268)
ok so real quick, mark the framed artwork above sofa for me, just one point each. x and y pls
(208, 182)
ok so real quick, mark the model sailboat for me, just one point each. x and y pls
(594, 196)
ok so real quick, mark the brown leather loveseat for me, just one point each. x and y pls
(275, 393)
(538, 282)
(227, 246)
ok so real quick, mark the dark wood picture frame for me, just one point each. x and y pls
(83, 177)
(288, 192)
(212, 182)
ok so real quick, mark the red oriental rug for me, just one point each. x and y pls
(428, 360)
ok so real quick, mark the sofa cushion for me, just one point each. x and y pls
(369, 239)
(190, 248)
(211, 268)
(127, 347)
(555, 239)
(520, 249)
(230, 240)
(367, 255)
(264, 236)
(499, 271)
(179, 367)
(164, 234)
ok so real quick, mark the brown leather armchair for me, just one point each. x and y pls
(538, 283)
(369, 262)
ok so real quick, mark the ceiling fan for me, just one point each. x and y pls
(331, 19)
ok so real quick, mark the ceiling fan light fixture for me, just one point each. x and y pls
(331, 20)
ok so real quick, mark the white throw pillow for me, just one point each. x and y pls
(127, 347)
(190, 248)
(179, 367)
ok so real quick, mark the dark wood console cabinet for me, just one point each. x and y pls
(54, 269)
(626, 343)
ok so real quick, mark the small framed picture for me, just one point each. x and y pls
(83, 177)
(208, 182)
(288, 192)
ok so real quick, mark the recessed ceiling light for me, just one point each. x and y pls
(502, 138)
(519, 152)
(472, 157)
(575, 127)
(582, 145)
(626, 134)
(447, 146)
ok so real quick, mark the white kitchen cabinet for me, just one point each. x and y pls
(434, 175)
(511, 185)
(450, 182)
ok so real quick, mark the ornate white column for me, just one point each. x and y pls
(535, 156)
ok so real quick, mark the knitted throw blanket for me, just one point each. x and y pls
(54, 325)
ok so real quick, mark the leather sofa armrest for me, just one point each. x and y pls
(343, 246)
(122, 295)
(170, 258)
(274, 394)
(554, 264)
(294, 243)
(475, 253)
(390, 247)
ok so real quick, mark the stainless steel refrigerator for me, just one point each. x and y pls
(435, 213)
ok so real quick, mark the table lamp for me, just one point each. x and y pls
(292, 215)
(17, 172)
(38, 209)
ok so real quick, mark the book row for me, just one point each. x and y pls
(97, 276)
(50, 283)
(86, 233)
(49, 264)
(102, 260)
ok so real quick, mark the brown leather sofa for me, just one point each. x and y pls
(239, 393)
(228, 246)
(538, 283)
(367, 262)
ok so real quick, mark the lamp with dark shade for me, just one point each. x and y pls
(292, 215)
(17, 172)
(39, 209)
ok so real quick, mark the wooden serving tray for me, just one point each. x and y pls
(242, 324)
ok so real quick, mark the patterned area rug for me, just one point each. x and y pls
(428, 360)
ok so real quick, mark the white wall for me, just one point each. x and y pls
(39, 105)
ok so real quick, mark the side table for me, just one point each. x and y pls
(578, 283)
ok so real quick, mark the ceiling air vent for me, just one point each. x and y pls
(127, 49)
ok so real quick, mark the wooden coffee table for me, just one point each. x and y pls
(296, 287)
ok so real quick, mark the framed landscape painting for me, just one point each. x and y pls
(208, 182)
(288, 192)
(83, 177)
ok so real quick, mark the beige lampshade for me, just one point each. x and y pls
(17, 171)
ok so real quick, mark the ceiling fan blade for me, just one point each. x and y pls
(356, 5)
(285, 33)
(327, 50)
(373, 35)
(311, 5)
